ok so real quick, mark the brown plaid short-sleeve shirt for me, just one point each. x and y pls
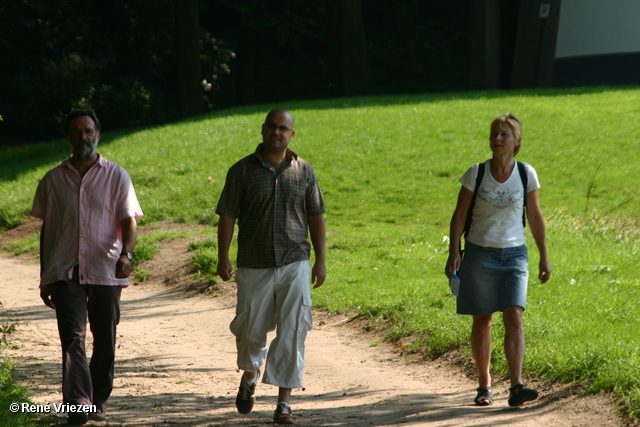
(272, 209)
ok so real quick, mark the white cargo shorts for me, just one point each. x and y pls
(268, 299)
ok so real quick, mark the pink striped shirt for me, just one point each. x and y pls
(82, 221)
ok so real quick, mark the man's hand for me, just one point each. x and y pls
(123, 267)
(318, 274)
(225, 269)
(225, 235)
(47, 298)
(129, 228)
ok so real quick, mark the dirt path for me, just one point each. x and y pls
(176, 366)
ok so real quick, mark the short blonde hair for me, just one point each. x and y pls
(514, 123)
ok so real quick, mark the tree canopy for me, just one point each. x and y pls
(152, 61)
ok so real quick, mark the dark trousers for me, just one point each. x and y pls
(86, 383)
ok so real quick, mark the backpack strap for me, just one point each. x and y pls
(525, 180)
(481, 166)
(479, 176)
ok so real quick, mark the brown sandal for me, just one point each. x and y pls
(484, 397)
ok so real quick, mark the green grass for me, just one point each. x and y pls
(205, 259)
(21, 246)
(141, 275)
(10, 393)
(389, 170)
(148, 245)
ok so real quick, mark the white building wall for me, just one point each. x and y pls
(595, 27)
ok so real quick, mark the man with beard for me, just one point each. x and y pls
(275, 196)
(89, 208)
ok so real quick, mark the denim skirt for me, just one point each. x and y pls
(492, 279)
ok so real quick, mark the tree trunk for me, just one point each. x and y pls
(246, 66)
(349, 62)
(190, 98)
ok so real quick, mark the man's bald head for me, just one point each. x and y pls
(280, 112)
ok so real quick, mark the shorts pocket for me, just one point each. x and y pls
(237, 325)
(305, 319)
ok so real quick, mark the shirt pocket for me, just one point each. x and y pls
(294, 190)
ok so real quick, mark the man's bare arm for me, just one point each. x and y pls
(129, 229)
(318, 237)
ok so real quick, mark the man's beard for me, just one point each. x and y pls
(84, 151)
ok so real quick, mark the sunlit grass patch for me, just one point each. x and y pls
(147, 247)
(205, 259)
(26, 245)
(10, 392)
(141, 274)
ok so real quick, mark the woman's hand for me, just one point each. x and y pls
(453, 264)
(545, 270)
(536, 224)
(456, 230)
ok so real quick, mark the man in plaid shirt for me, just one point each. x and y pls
(276, 199)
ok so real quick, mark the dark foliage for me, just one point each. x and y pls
(119, 57)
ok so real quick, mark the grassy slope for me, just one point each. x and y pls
(389, 167)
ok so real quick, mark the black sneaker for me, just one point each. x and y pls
(99, 415)
(77, 418)
(520, 394)
(246, 395)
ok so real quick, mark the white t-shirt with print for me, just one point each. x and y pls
(497, 214)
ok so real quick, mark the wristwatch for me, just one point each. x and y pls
(128, 255)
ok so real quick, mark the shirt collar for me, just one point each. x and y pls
(291, 155)
(67, 163)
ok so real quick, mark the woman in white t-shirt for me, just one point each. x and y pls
(494, 272)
